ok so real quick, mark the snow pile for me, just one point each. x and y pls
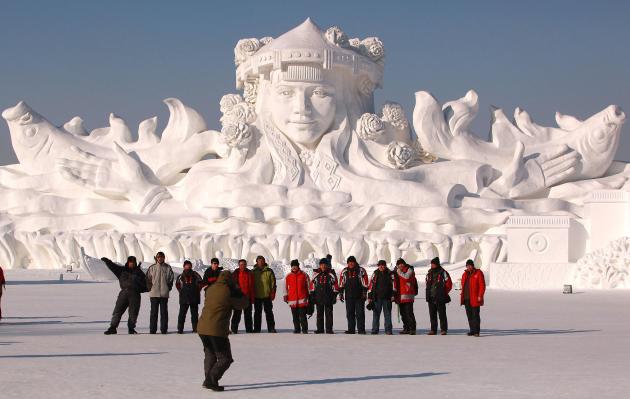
(607, 267)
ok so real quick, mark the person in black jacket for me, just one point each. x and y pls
(132, 283)
(381, 295)
(212, 273)
(324, 289)
(189, 285)
(438, 285)
(353, 284)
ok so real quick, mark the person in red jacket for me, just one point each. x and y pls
(406, 290)
(473, 289)
(296, 295)
(2, 287)
(244, 279)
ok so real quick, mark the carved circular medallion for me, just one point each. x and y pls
(537, 242)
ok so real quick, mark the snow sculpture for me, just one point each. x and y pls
(607, 267)
(303, 165)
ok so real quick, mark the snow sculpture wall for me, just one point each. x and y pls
(303, 164)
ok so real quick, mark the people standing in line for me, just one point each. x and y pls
(296, 295)
(265, 293)
(2, 288)
(160, 280)
(244, 279)
(222, 298)
(407, 289)
(381, 294)
(473, 290)
(189, 285)
(324, 290)
(212, 273)
(438, 285)
(353, 284)
(132, 283)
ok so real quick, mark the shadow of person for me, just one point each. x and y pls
(520, 331)
(78, 355)
(338, 380)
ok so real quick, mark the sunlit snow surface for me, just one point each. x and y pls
(534, 345)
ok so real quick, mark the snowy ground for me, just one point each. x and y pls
(534, 345)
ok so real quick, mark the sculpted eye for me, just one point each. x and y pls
(26, 118)
(321, 92)
(284, 92)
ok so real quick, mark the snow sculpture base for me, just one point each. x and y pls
(531, 276)
(534, 239)
(609, 215)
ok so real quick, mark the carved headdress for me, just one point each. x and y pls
(304, 52)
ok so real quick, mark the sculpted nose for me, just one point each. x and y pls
(616, 113)
(301, 105)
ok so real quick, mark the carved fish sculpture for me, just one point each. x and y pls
(443, 131)
(38, 143)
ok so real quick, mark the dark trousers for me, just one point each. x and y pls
(218, 357)
(474, 318)
(355, 313)
(126, 299)
(236, 319)
(194, 315)
(299, 319)
(436, 309)
(162, 304)
(407, 316)
(385, 306)
(327, 312)
(267, 304)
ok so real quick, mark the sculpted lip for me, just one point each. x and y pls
(303, 122)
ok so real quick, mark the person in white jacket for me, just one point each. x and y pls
(160, 279)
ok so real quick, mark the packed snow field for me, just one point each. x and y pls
(534, 345)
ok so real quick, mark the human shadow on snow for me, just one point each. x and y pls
(281, 384)
(51, 322)
(80, 355)
(51, 282)
(37, 317)
(519, 331)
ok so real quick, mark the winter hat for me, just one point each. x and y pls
(351, 259)
(381, 262)
(436, 261)
(470, 262)
(187, 262)
(132, 259)
(295, 262)
(323, 261)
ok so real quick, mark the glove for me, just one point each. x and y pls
(106, 260)
(273, 296)
(393, 299)
(341, 298)
(370, 306)
(286, 299)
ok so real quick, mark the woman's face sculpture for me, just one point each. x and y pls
(303, 111)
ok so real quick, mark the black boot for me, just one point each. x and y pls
(132, 331)
(110, 331)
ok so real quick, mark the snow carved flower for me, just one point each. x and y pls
(236, 135)
(336, 36)
(240, 113)
(394, 114)
(399, 154)
(354, 43)
(307, 157)
(372, 48)
(228, 102)
(251, 91)
(244, 49)
(370, 127)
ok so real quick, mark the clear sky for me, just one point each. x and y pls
(90, 58)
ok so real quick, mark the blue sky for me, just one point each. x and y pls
(91, 58)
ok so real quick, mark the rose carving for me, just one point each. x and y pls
(336, 36)
(394, 114)
(236, 135)
(240, 113)
(400, 155)
(372, 48)
(370, 127)
(244, 49)
(228, 102)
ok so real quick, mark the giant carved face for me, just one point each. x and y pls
(303, 111)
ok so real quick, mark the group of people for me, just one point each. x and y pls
(231, 295)
(380, 291)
